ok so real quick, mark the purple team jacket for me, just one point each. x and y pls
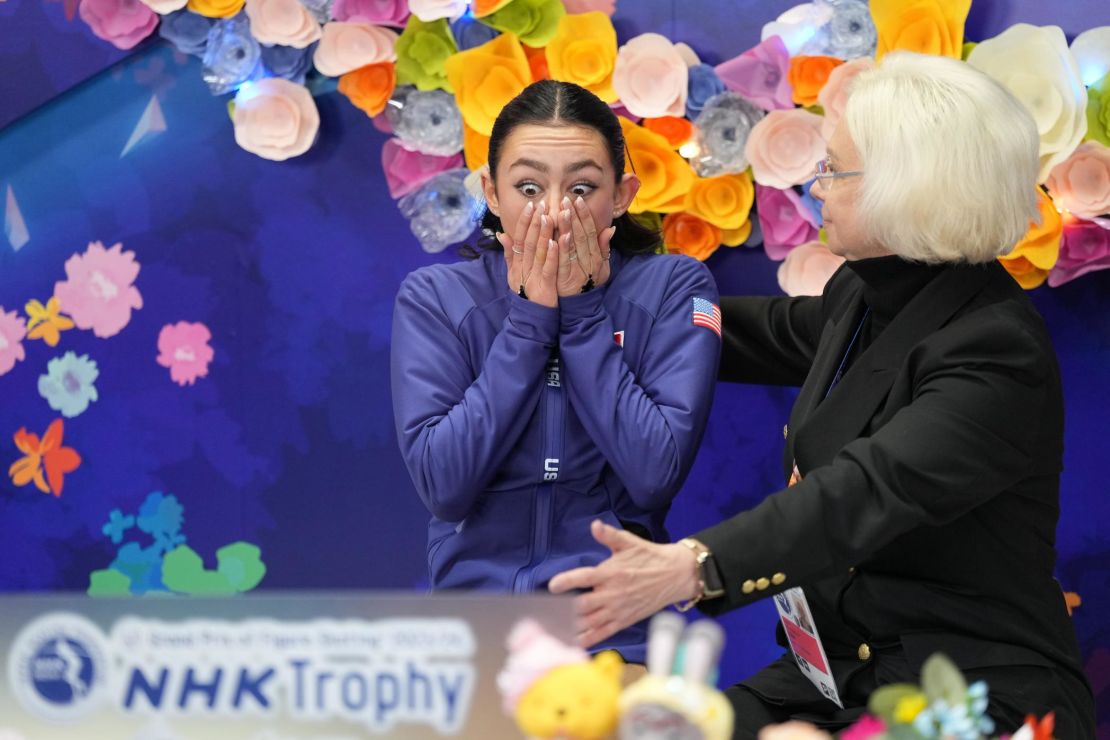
(520, 424)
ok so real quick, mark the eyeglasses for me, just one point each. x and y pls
(823, 171)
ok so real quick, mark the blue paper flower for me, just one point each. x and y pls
(442, 212)
(161, 516)
(186, 30)
(722, 132)
(117, 525)
(812, 203)
(703, 85)
(232, 55)
(68, 384)
(470, 32)
(426, 121)
(851, 32)
(288, 62)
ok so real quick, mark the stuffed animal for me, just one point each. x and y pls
(553, 690)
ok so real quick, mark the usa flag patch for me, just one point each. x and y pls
(708, 315)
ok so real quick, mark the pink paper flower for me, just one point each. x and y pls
(865, 728)
(275, 119)
(784, 146)
(383, 12)
(183, 348)
(98, 292)
(760, 75)
(122, 23)
(12, 330)
(807, 268)
(344, 47)
(1084, 248)
(284, 22)
(405, 170)
(650, 77)
(834, 95)
(1081, 183)
(608, 7)
(785, 221)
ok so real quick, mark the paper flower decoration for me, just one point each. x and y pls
(378, 12)
(284, 22)
(122, 23)
(288, 62)
(1098, 111)
(12, 331)
(851, 32)
(665, 177)
(216, 8)
(1031, 258)
(685, 233)
(924, 26)
(99, 292)
(534, 22)
(808, 76)
(1081, 183)
(806, 268)
(1091, 50)
(833, 97)
(442, 212)
(703, 84)
(422, 52)
(427, 122)
(1085, 247)
(68, 385)
(344, 47)
(487, 77)
(162, 7)
(785, 222)
(431, 10)
(475, 148)
(406, 170)
(677, 131)
(761, 74)
(183, 348)
(1036, 65)
(799, 27)
(650, 77)
(723, 128)
(369, 88)
(231, 56)
(187, 31)
(470, 32)
(584, 51)
(724, 201)
(784, 146)
(275, 119)
(608, 7)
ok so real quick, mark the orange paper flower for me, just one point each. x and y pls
(677, 131)
(808, 75)
(487, 77)
(369, 88)
(537, 62)
(925, 26)
(664, 176)
(475, 148)
(685, 233)
(1030, 261)
(584, 51)
(47, 455)
(724, 201)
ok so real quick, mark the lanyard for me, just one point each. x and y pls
(847, 353)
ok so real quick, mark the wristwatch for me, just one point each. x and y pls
(710, 585)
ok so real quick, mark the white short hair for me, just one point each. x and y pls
(949, 159)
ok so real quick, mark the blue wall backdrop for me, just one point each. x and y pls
(288, 442)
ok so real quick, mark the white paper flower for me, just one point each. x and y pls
(1034, 62)
(161, 7)
(430, 10)
(798, 25)
(1091, 50)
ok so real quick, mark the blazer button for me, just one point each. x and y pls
(778, 579)
(762, 584)
(747, 586)
(864, 651)
(785, 431)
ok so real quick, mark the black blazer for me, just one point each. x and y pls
(925, 518)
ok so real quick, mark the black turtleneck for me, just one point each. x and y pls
(889, 284)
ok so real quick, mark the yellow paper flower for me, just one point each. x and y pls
(46, 322)
(724, 201)
(487, 77)
(584, 51)
(1034, 256)
(216, 8)
(908, 707)
(665, 177)
(475, 148)
(736, 237)
(925, 26)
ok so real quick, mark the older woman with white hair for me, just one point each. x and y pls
(923, 452)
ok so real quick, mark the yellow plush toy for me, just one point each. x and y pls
(553, 690)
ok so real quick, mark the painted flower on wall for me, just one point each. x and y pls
(99, 292)
(69, 384)
(45, 462)
(46, 322)
(183, 348)
(12, 331)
